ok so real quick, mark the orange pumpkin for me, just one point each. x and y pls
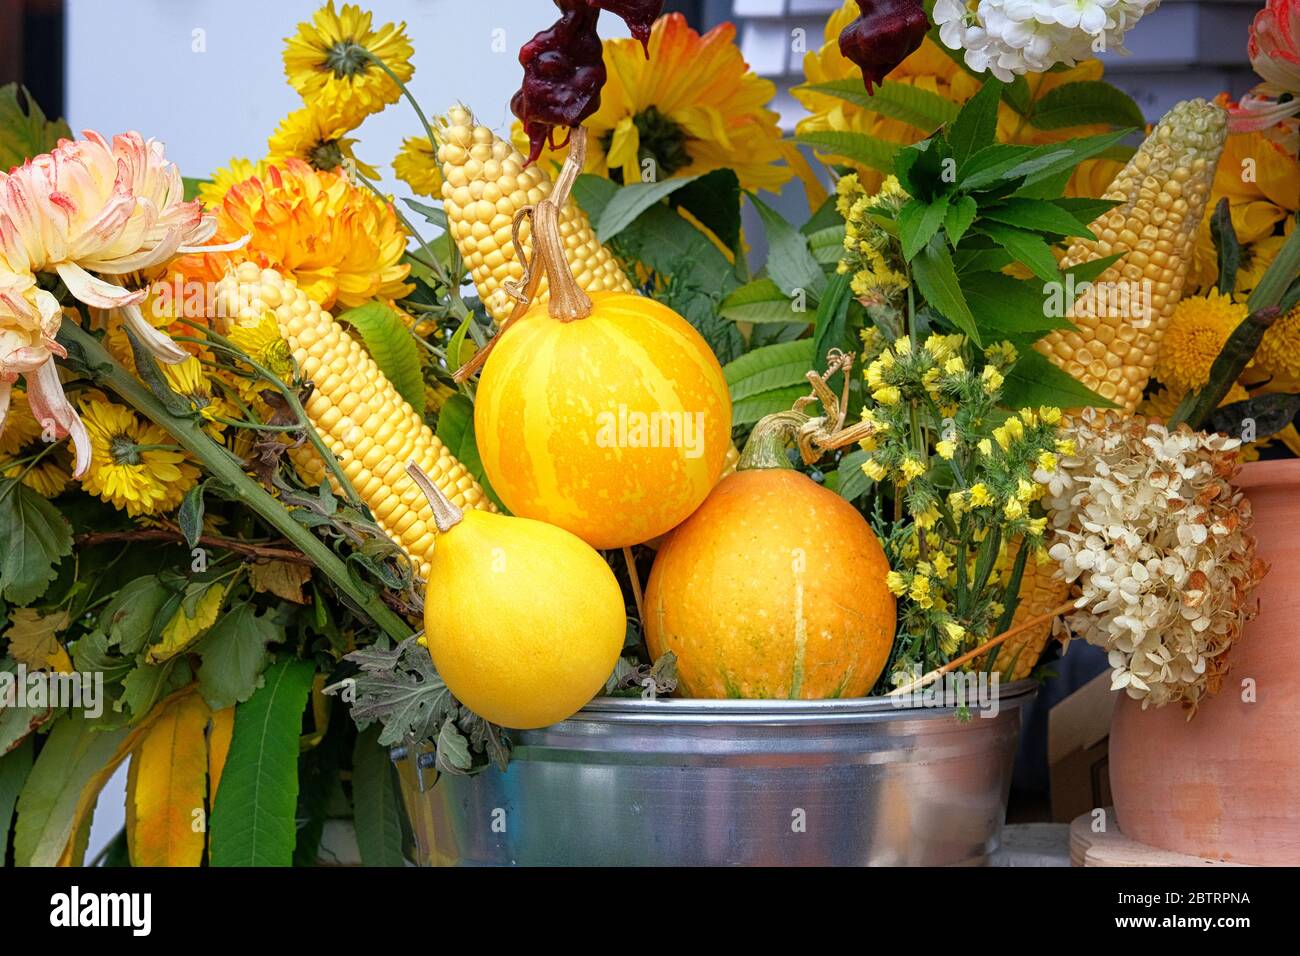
(607, 415)
(773, 588)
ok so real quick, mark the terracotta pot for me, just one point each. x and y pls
(1226, 785)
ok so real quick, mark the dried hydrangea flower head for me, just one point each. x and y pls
(1150, 526)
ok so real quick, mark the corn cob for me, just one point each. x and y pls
(1040, 591)
(484, 186)
(1164, 191)
(371, 429)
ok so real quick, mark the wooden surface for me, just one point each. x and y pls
(1113, 848)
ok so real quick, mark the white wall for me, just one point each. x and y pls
(131, 65)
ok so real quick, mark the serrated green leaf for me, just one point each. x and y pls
(857, 147)
(389, 343)
(761, 301)
(937, 279)
(376, 811)
(1035, 381)
(35, 538)
(831, 331)
(918, 221)
(976, 125)
(234, 654)
(253, 819)
(1086, 103)
(1052, 160)
(1026, 247)
(789, 263)
(456, 431)
(432, 214)
(913, 105)
(1084, 209)
(1037, 215)
(853, 482)
(190, 515)
(592, 193)
(24, 130)
(626, 205)
(749, 410)
(453, 749)
(827, 245)
(960, 214)
(1007, 306)
(133, 616)
(769, 367)
(1089, 271)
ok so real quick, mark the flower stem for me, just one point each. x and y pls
(219, 463)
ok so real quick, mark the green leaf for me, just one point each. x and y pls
(770, 367)
(1086, 103)
(1037, 215)
(749, 410)
(192, 187)
(1007, 306)
(17, 723)
(832, 320)
(976, 125)
(913, 105)
(789, 263)
(1035, 381)
(133, 617)
(988, 165)
(1277, 277)
(35, 538)
(453, 749)
(1089, 271)
(593, 193)
(190, 515)
(456, 354)
(958, 218)
(761, 301)
(856, 147)
(456, 431)
(918, 222)
(24, 130)
(1226, 245)
(937, 280)
(253, 819)
(1083, 209)
(827, 245)
(1064, 157)
(432, 214)
(376, 811)
(714, 199)
(234, 654)
(626, 205)
(1026, 247)
(14, 768)
(853, 482)
(75, 751)
(389, 343)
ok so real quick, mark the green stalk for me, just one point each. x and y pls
(223, 466)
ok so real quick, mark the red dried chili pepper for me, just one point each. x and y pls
(885, 34)
(639, 15)
(563, 72)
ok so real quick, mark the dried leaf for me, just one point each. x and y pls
(282, 578)
(198, 611)
(168, 785)
(33, 639)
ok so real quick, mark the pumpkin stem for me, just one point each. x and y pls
(568, 301)
(768, 441)
(445, 514)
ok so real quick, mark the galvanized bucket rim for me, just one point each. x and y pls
(1015, 693)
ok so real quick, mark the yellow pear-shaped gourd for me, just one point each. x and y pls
(524, 620)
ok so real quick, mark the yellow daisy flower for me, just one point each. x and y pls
(331, 60)
(48, 477)
(263, 344)
(1279, 352)
(189, 381)
(134, 465)
(20, 426)
(1197, 331)
(317, 137)
(692, 107)
(417, 166)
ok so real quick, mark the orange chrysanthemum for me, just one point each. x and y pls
(338, 241)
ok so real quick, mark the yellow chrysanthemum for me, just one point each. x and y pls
(1197, 331)
(331, 60)
(236, 171)
(20, 426)
(134, 466)
(48, 477)
(930, 68)
(1279, 352)
(188, 380)
(263, 343)
(692, 107)
(338, 241)
(417, 165)
(318, 137)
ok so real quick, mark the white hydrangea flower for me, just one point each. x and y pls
(1150, 527)
(1011, 37)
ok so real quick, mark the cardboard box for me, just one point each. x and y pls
(1078, 732)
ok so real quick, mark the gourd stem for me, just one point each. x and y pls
(768, 441)
(445, 514)
(567, 301)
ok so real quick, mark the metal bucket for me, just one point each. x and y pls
(731, 782)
